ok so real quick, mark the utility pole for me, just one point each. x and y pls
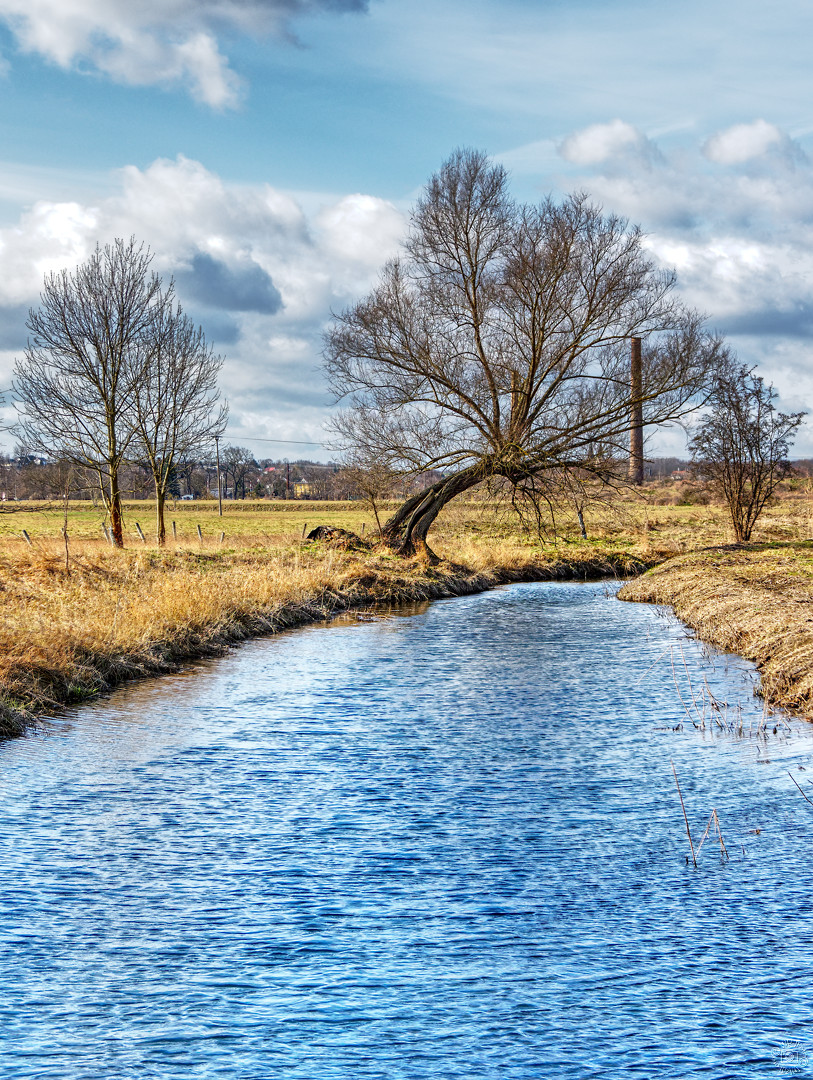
(287, 479)
(219, 489)
(636, 465)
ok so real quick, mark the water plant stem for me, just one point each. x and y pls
(685, 817)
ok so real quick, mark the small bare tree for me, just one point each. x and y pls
(87, 351)
(177, 401)
(498, 346)
(741, 447)
(237, 462)
(372, 480)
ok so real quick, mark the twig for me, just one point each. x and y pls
(651, 666)
(691, 687)
(714, 818)
(723, 849)
(685, 818)
(803, 794)
(680, 694)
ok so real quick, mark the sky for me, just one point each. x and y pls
(268, 152)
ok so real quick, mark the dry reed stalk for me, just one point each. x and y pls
(802, 793)
(702, 718)
(714, 820)
(685, 817)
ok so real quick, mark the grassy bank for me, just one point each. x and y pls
(71, 631)
(755, 600)
(68, 635)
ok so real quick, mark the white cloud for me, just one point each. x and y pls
(259, 273)
(154, 42)
(741, 239)
(360, 230)
(597, 143)
(742, 247)
(262, 273)
(744, 142)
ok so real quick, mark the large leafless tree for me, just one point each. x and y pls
(87, 352)
(176, 401)
(497, 346)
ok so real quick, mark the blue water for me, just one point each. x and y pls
(445, 845)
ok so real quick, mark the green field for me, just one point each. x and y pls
(652, 518)
(279, 519)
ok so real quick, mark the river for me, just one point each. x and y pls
(444, 843)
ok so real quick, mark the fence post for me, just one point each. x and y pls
(28, 538)
(141, 534)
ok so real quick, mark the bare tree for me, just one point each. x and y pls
(742, 446)
(372, 480)
(176, 401)
(237, 462)
(87, 351)
(497, 346)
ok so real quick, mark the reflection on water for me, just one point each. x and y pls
(446, 846)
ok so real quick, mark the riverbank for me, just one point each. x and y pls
(111, 616)
(755, 600)
(69, 634)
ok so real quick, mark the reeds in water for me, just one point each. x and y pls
(712, 827)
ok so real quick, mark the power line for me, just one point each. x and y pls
(282, 442)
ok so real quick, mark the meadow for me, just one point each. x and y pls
(667, 517)
(81, 617)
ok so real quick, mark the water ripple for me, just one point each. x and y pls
(447, 845)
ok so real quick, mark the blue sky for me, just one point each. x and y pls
(268, 152)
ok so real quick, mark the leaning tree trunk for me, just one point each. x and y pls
(406, 530)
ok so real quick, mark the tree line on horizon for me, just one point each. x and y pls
(24, 475)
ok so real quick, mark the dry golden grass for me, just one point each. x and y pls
(755, 601)
(114, 615)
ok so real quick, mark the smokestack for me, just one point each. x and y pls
(636, 466)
